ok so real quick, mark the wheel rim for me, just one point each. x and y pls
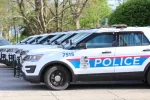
(57, 78)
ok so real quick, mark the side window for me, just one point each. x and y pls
(132, 39)
(101, 40)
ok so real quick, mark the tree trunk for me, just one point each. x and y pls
(39, 10)
(57, 16)
(76, 17)
(22, 9)
(77, 22)
(80, 5)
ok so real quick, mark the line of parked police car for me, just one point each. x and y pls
(61, 58)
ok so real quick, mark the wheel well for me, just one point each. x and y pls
(146, 70)
(52, 64)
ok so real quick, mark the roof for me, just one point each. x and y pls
(97, 30)
(122, 29)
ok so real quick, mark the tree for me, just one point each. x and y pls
(95, 11)
(6, 19)
(132, 13)
(45, 16)
(76, 10)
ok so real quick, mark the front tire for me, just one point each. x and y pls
(57, 78)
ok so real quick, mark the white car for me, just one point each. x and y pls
(24, 41)
(17, 49)
(108, 54)
(59, 42)
(7, 49)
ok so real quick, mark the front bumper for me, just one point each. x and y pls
(32, 79)
(30, 68)
(11, 60)
(3, 58)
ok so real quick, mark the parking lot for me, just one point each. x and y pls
(17, 89)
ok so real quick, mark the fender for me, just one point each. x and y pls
(58, 62)
(146, 68)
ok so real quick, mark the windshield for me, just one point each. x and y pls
(33, 39)
(54, 38)
(44, 39)
(77, 38)
(4, 42)
(65, 37)
(26, 39)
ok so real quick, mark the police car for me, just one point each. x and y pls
(24, 41)
(106, 54)
(17, 49)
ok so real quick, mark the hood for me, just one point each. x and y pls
(44, 51)
(9, 46)
(42, 47)
(24, 47)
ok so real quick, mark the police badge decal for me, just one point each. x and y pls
(84, 62)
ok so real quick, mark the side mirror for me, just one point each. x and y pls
(56, 42)
(26, 42)
(71, 42)
(67, 41)
(82, 46)
(36, 40)
(48, 41)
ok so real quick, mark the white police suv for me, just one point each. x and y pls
(106, 54)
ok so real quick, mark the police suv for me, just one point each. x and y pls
(105, 54)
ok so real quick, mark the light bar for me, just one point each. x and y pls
(120, 26)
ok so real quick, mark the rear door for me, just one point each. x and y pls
(131, 55)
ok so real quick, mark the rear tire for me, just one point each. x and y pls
(148, 78)
(57, 78)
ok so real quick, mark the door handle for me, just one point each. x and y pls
(146, 50)
(106, 52)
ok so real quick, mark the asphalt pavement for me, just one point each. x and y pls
(12, 88)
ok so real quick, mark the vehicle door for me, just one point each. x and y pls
(95, 62)
(131, 55)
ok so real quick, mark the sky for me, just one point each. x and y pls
(115, 3)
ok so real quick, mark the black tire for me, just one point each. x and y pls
(148, 78)
(8, 65)
(52, 73)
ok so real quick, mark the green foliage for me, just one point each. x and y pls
(132, 13)
(94, 13)
(46, 17)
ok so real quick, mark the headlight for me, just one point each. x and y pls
(1, 50)
(33, 58)
(18, 51)
(4, 50)
(9, 50)
(14, 50)
(24, 52)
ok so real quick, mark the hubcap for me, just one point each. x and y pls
(57, 78)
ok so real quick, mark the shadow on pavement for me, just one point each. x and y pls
(9, 83)
(109, 85)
